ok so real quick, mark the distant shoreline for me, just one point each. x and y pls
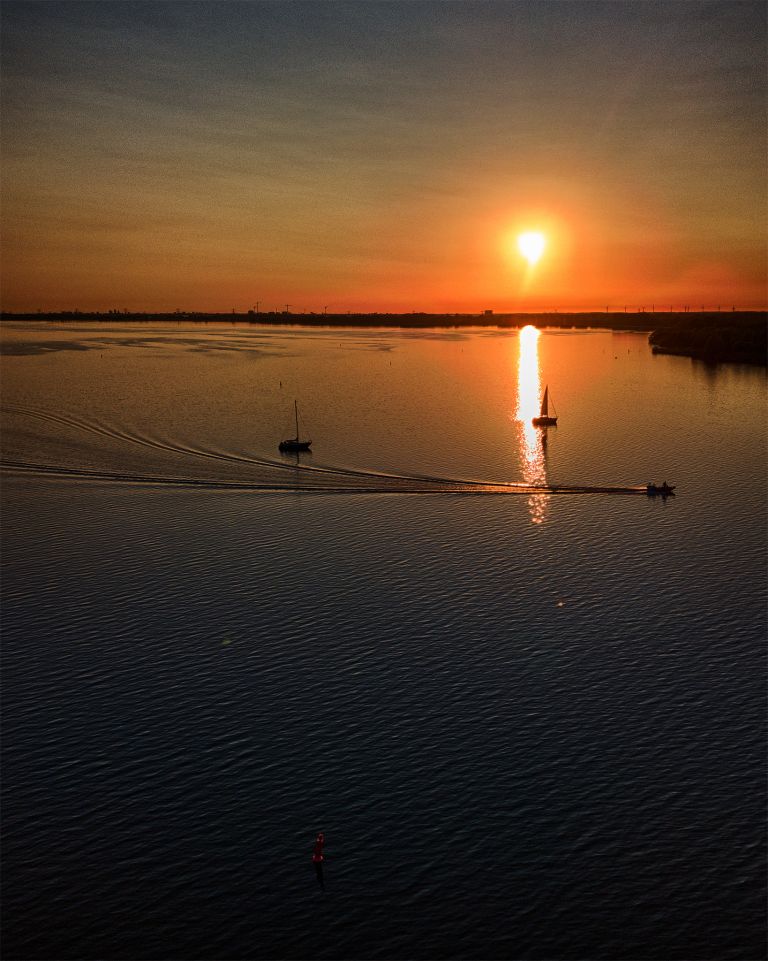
(731, 336)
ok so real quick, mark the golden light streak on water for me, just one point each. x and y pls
(531, 439)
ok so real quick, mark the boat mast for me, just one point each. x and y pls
(296, 412)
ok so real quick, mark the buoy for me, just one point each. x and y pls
(317, 854)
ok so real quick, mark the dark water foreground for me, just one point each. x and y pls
(509, 759)
(529, 726)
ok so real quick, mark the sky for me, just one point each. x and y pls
(367, 156)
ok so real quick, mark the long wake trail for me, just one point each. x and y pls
(316, 476)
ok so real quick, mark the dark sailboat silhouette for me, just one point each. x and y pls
(294, 444)
(545, 419)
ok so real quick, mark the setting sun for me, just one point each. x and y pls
(531, 245)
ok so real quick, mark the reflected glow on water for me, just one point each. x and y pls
(257, 636)
(532, 440)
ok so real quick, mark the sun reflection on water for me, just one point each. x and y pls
(532, 440)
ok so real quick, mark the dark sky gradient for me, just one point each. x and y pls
(382, 155)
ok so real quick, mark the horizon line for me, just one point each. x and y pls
(486, 312)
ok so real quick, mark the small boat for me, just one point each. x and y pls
(294, 444)
(545, 419)
(663, 490)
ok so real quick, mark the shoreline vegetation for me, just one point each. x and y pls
(733, 336)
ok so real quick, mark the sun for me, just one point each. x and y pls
(531, 245)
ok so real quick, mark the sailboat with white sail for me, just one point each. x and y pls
(545, 419)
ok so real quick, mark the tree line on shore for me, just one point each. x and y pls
(715, 336)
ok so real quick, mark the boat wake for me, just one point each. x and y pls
(452, 487)
(277, 474)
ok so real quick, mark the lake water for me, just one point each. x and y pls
(531, 724)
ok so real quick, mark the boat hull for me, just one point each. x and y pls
(665, 490)
(544, 421)
(293, 446)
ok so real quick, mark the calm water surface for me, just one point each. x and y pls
(530, 724)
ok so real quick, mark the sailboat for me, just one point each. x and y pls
(545, 419)
(293, 444)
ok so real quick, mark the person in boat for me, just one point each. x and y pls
(664, 488)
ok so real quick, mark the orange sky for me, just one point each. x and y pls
(382, 156)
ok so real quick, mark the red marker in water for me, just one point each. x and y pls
(317, 855)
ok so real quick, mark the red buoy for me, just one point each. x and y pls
(317, 855)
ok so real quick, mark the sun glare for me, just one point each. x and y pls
(532, 441)
(531, 245)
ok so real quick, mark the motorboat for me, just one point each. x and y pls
(660, 490)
